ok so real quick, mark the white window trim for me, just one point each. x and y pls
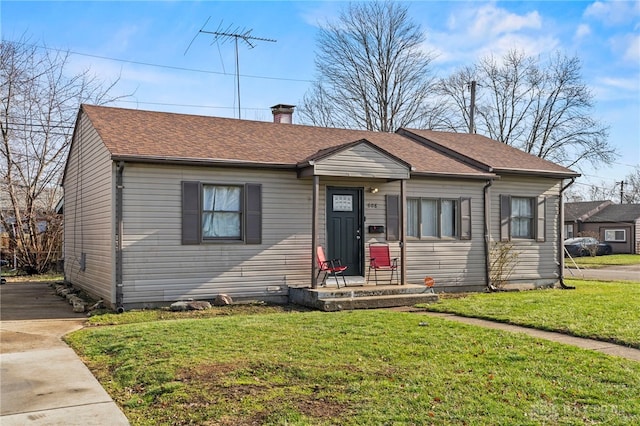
(531, 219)
(614, 240)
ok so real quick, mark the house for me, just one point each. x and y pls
(615, 224)
(161, 207)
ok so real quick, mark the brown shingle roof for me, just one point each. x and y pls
(616, 213)
(157, 136)
(581, 210)
(487, 153)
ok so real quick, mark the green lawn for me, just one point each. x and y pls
(602, 261)
(601, 310)
(352, 368)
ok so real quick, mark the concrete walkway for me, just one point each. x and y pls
(42, 380)
(609, 273)
(590, 344)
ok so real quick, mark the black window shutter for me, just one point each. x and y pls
(505, 217)
(253, 214)
(191, 213)
(541, 219)
(465, 218)
(393, 217)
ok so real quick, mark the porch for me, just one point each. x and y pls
(360, 295)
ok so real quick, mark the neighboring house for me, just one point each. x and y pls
(615, 224)
(161, 207)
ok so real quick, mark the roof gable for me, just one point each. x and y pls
(360, 158)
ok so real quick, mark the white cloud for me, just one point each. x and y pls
(582, 31)
(492, 20)
(613, 12)
(630, 84)
(626, 47)
(474, 31)
(530, 45)
(316, 15)
(632, 53)
(617, 89)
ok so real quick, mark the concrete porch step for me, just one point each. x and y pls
(375, 302)
(361, 297)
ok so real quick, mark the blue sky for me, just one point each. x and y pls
(144, 43)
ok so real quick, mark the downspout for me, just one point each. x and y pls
(487, 234)
(560, 235)
(119, 234)
(403, 231)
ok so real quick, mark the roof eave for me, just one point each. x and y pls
(200, 162)
(478, 176)
(538, 173)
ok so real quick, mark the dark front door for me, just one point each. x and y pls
(344, 227)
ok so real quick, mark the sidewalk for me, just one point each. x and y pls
(590, 344)
(42, 380)
(609, 273)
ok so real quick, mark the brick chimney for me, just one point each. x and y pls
(283, 113)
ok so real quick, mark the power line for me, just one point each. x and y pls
(262, 77)
(193, 106)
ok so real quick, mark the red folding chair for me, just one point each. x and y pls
(329, 267)
(380, 260)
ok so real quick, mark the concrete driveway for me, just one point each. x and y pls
(42, 380)
(610, 273)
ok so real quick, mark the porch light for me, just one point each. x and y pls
(373, 190)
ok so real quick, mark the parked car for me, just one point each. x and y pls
(586, 246)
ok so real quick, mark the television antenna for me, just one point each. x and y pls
(235, 34)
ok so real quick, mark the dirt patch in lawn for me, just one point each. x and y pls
(218, 384)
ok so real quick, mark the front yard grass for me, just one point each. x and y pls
(599, 310)
(602, 261)
(352, 368)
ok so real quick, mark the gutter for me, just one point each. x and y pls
(560, 239)
(119, 235)
(487, 234)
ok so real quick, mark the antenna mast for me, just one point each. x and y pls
(236, 34)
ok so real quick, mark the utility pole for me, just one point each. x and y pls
(235, 34)
(472, 107)
(621, 191)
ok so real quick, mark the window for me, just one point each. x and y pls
(568, 231)
(522, 218)
(615, 235)
(221, 212)
(218, 212)
(438, 218)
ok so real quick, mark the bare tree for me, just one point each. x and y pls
(40, 101)
(455, 95)
(625, 191)
(601, 192)
(543, 108)
(373, 70)
(631, 191)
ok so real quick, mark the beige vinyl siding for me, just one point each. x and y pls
(158, 268)
(374, 204)
(454, 264)
(363, 161)
(88, 214)
(538, 262)
(636, 241)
